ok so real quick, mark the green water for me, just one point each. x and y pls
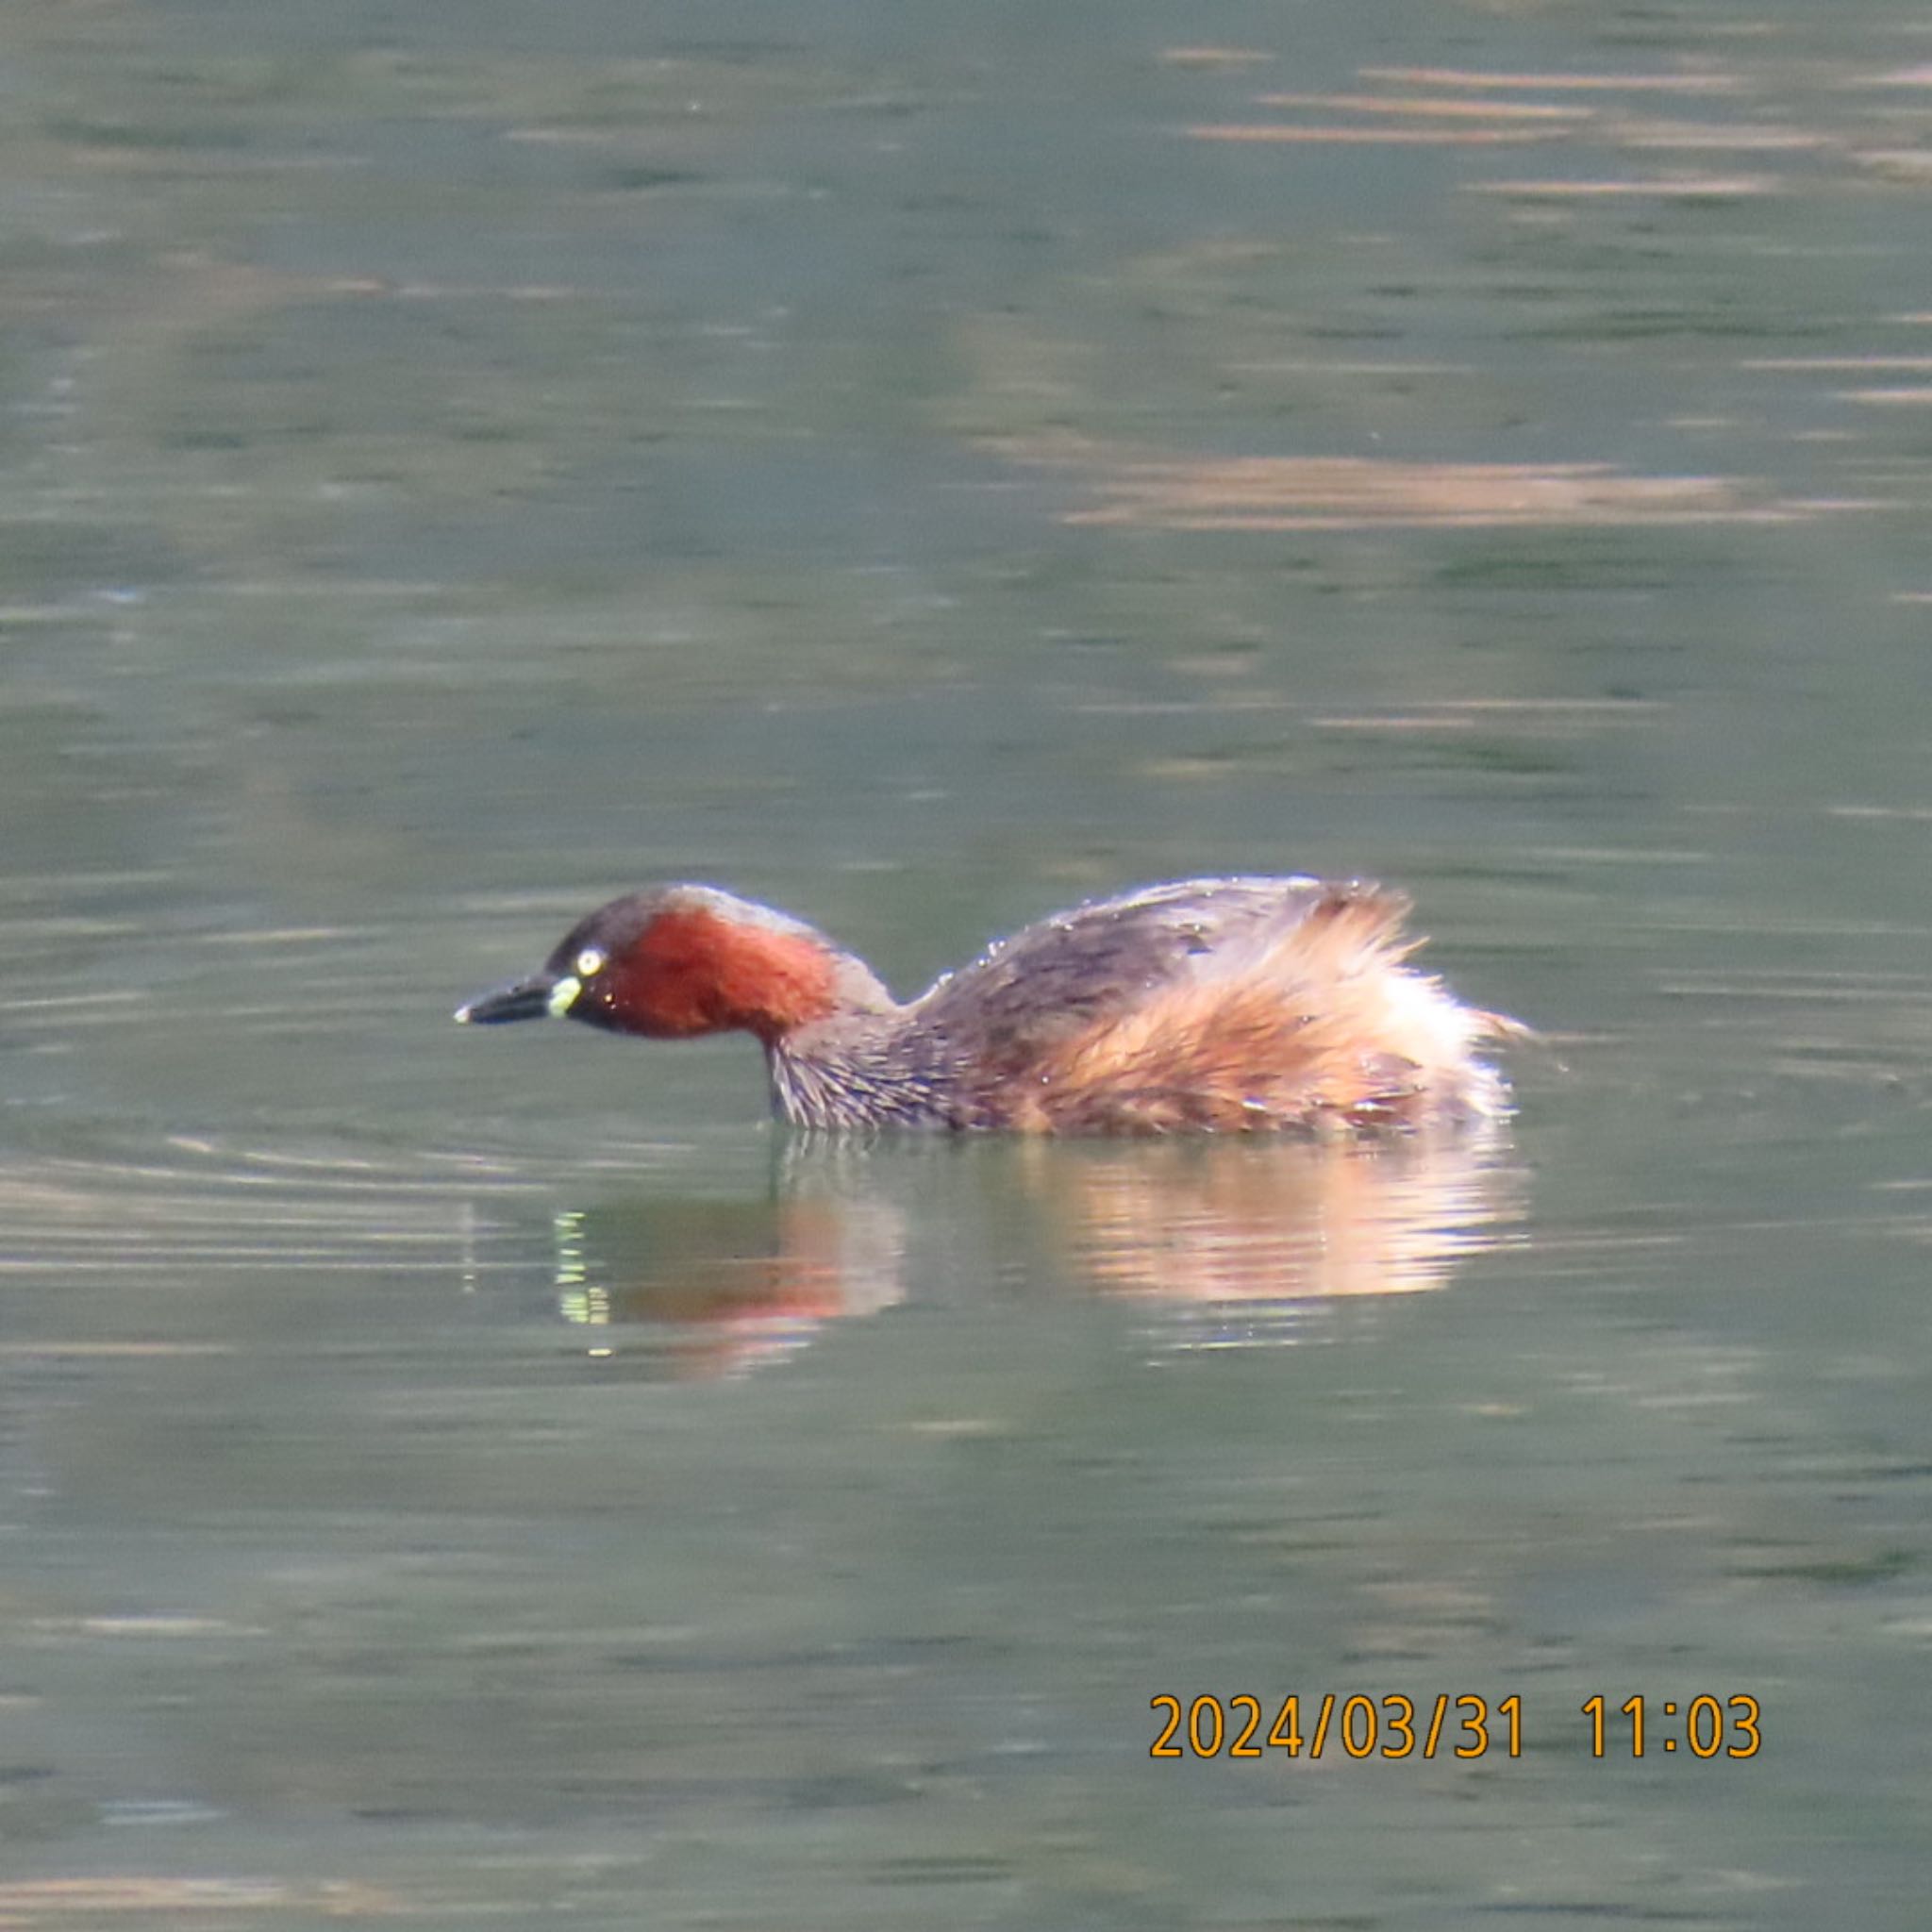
(923, 465)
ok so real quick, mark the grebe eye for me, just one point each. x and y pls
(588, 961)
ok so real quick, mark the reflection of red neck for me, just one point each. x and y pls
(692, 971)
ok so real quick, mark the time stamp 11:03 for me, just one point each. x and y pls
(1392, 1725)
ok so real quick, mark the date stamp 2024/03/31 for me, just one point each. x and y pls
(1468, 1727)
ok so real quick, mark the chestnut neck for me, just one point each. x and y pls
(694, 970)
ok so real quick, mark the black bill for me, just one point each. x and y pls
(524, 999)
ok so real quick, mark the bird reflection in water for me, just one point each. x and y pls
(1228, 1244)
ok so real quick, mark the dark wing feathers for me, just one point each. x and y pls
(1036, 992)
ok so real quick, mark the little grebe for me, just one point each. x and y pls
(1242, 1005)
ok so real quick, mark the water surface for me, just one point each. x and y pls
(923, 466)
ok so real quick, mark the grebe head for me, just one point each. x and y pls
(680, 960)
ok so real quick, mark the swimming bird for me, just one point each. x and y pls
(1222, 1005)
